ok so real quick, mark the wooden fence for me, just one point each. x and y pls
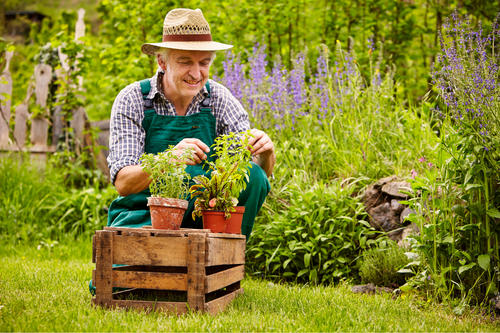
(41, 126)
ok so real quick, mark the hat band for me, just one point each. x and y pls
(188, 38)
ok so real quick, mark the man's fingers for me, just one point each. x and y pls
(198, 143)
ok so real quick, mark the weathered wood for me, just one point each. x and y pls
(57, 125)
(196, 271)
(21, 126)
(149, 280)
(223, 279)
(143, 268)
(78, 125)
(104, 266)
(225, 251)
(157, 232)
(150, 251)
(93, 248)
(5, 88)
(148, 306)
(43, 76)
(220, 304)
(80, 25)
(224, 235)
(39, 132)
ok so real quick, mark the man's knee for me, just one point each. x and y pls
(258, 181)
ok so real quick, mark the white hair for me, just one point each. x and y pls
(164, 53)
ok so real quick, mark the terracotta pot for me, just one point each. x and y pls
(167, 213)
(214, 220)
(233, 224)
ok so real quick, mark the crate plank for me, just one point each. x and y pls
(223, 279)
(220, 304)
(150, 251)
(93, 249)
(224, 235)
(225, 251)
(104, 266)
(196, 271)
(149, 280)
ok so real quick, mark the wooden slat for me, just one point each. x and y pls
(157, 232)
(156, 251)
(93, 248)
(149, 280)
(220, 304)
(20, 126)
(5, 88)
(223, 279)
(196, 271)
(159, 269)
(174, 307)
(225, 251)
(93, 277)
(104, 266)
(224, 235)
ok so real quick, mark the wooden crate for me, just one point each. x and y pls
(203, 265)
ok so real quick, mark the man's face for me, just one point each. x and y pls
(186, 72)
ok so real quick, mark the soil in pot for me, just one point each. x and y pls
(214, 220)
(233, 224)
(167, 213)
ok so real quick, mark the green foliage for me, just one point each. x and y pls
(167, 172)
(36, 204)
(380, 265)
(456, 213)
(317, 238)
(228, 175)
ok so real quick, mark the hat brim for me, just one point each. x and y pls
(151, 48)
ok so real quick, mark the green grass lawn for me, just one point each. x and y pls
(48, 292)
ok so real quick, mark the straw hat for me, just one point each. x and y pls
(185, 29)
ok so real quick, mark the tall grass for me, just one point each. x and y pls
(36, 204)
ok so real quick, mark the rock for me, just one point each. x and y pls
(396, 206)
(370, 288)
(412, 229)
(393, 189)
(383, 217)
(382, 181)
(373, 197)
(405, 213)
(395, 235)
(495, 304)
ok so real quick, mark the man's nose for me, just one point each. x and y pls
(195, 71)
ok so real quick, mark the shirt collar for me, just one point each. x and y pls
(156, 87)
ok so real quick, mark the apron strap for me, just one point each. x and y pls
(205, 104)
(145, 89)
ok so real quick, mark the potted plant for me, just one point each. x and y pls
(218, 193)
(169, 187)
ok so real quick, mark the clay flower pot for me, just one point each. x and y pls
(214, 220)
(233, 224)
(167, 213)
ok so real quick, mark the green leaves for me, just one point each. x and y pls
(228, 175)
(316, 238)
(168, 173)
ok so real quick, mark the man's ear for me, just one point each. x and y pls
(161, 63)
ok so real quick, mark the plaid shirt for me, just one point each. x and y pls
(127, 137)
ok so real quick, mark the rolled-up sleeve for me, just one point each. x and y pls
(127, 137)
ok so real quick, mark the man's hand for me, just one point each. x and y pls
(199, 150)
(261, 143)
(263, 150)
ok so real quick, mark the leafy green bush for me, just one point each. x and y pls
(315, 237)
(380, 265)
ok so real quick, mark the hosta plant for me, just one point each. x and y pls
(227, 177)
(168, 173)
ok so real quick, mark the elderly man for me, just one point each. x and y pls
(179, 106)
